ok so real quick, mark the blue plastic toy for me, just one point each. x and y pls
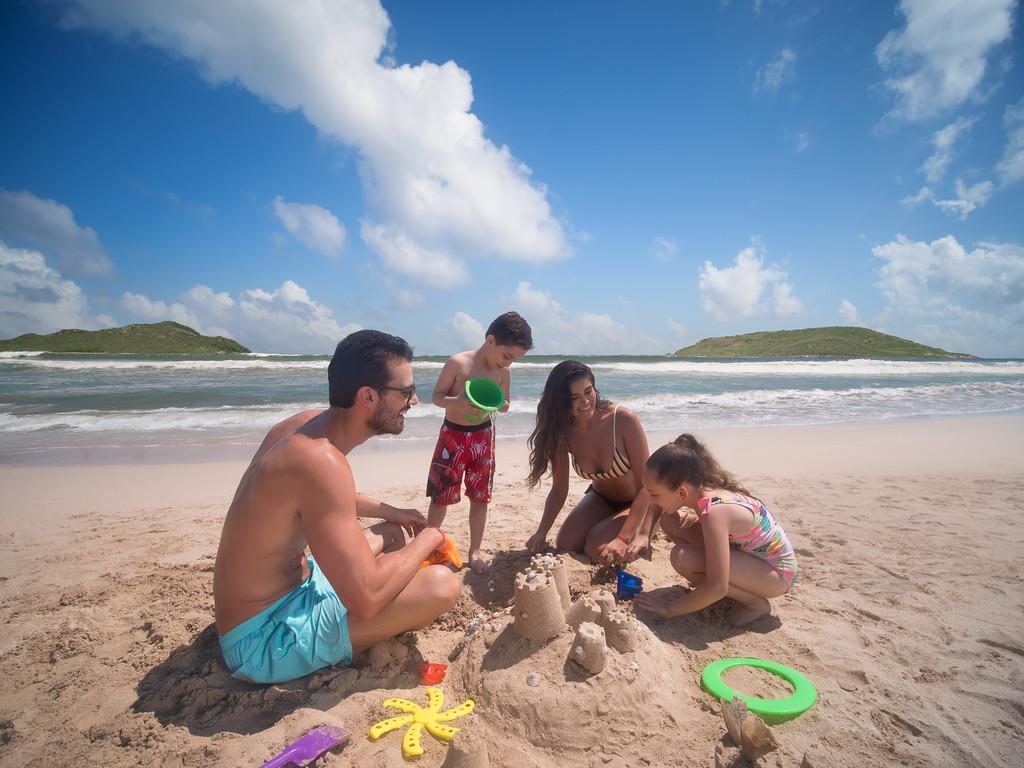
(628, 586)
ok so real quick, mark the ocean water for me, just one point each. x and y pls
(59, 408)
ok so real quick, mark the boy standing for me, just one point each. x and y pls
(465, 444)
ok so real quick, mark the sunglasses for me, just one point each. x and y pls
(407, 392)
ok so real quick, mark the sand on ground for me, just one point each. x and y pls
(908, 617)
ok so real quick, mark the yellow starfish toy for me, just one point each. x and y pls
(429, 718)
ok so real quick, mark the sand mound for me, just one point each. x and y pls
(570, 709)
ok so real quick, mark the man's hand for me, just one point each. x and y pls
(660, 602)
(536, 543)
(412, 521)
(613, 552)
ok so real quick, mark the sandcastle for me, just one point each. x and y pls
(543, 608)
(539, 612)
(589, 649)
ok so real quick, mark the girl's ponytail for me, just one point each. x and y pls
(687, 460)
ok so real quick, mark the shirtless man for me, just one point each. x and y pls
(282, 614)
(465, 443)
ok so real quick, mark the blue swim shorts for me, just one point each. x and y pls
(304, 631)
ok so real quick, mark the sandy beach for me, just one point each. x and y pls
(908, 617)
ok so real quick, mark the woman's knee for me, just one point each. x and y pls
(569, 541)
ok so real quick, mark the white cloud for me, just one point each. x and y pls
(35, 298)
(283, 320)
(315, 227)
(966, 200)
(467, 328)
(912, 201)
(676, 328)
(849, 312)
(975, 297)
(558, 330)
(935, 166)
(775, 73)
(433, 182)
(50, 226)
(407, 299)
(409, 258)
(733, 293)
(664, 250)
(803, 141)
(938, 60)
(1011, 166)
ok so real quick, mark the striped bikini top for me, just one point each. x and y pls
(620, 464)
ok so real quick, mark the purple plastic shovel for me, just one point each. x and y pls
(305, 750)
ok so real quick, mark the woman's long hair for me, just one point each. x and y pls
(554, 415)
(686, 460)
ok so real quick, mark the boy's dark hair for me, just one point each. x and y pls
(511, 330)
(361, 360)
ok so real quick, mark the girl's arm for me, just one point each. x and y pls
(716, 565)
(555, 500)
(635, 536)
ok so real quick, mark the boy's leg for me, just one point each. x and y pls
(444, 475)
(431, 592)
(479, 470)
(436, 513)
(477, 523)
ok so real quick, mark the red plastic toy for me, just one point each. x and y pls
(432, 673)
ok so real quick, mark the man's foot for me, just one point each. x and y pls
(478, 563)
(745, 613)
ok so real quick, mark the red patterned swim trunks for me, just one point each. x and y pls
(462, 450)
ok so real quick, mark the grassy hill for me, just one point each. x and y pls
(153, 338)
(813, 342)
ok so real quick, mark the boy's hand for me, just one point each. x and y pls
(471, 412)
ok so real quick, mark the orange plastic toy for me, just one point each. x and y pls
(446, 554)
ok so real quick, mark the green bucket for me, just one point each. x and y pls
(485, 394)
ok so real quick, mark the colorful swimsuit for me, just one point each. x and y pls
(766, 539)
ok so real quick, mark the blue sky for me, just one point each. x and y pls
(632, 177)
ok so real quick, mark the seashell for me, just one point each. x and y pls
(733, 713)
(579, 651)
(634, 666)
(533, 679)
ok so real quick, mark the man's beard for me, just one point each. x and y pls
(386, 422)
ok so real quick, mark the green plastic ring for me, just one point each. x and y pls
(803, 697)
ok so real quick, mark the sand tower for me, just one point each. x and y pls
(584, 609)
(538, 611)
(621, 631)
(554, 565)
(589, 649)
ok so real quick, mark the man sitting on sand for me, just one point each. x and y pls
(282, 614)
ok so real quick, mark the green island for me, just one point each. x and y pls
(837, 341)
(141, 338)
